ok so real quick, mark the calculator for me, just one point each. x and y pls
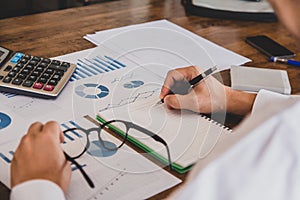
(34, 76)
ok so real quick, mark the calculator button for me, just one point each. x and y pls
(17, 81)
(38, 85)
(58, 67)
(46, 60)
(55, 62)
(49, 87)
(12, 74)
(56, 77)
(46, 75)
(43, 65)
(33, 62)
(8, 68)
(35, 58)
(21, 65)
(65, 64)
(16, 57)
(1, 77)
(27, 83)
(52, 82)
(39, 69)
(19, 55)
(25, 71)
(22, 76)
(36, 73)
(16, 69)
(49, 71)
(42, 80)
(32, 78)
(24, 61)
(7, 79)
(27, 56)
(61, 73)
(29, 67)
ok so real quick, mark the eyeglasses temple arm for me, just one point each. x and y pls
(86, 177)
(156, 138)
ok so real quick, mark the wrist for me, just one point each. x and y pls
(239, 102)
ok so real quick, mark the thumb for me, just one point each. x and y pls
(178, 101)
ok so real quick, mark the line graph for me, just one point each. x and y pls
(129, 100)
(123, 78)
(106, 188)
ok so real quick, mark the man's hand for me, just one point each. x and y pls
(208, 96)
(40, 156)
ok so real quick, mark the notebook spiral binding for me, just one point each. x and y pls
(216, 123)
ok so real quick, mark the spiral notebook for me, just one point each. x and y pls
(188, 143)
(133, 95)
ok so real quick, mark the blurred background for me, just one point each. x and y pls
(13, 8)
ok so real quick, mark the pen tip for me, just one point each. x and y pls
(214, 68)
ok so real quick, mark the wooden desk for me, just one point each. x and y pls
(61, 32)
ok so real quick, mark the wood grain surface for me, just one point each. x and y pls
(60, 32)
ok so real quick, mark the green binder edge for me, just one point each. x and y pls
(176, 167)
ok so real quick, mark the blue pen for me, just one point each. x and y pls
(284, 60)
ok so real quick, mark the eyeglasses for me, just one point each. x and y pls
(109, 143)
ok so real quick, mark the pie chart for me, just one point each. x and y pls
(92, 91)
(133, 84)
(4, 120)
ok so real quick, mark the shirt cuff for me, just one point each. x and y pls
(37, 190)
(265, 97)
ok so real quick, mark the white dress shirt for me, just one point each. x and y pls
(264, 164)
(37, 190)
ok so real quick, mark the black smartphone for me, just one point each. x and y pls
(269, 47)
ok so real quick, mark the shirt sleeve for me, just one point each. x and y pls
(37, 190)
(267, 98)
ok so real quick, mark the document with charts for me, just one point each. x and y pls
(132, 95)
(122, 174)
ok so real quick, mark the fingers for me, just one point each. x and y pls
(177, 75)
(35, 128)
(186, 102)
(52, 128)
(172, 76)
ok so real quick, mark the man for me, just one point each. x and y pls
(263, 165)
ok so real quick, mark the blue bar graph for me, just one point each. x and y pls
(68, 125)
(8, 95)
(115, 61)
(88, 67)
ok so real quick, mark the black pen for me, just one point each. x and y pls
(195, 80)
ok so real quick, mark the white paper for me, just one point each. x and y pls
(122, 175)
(166, 37)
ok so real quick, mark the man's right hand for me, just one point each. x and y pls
(208, 96)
